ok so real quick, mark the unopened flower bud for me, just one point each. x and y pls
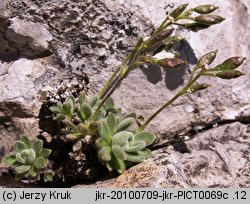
(228, 74)
(170, 62)
(231, 63)
(198, 87)
(156, 40)
(207, 59)
(178, 11)
(209, 19)
(195, 26)
(205, 9)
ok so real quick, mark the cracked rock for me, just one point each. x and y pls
(84, 41)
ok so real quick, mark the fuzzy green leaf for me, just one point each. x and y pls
(86, 110)
(111, 123)
(125, 124)
(26, 141)
(109, 104)
(102, 114)
(48, 176)
(121, 138)
(105, 154)
(40, 163)
(119, 165)
(82, 99)
(94, 101)
(67, 109)
(110, 166)
(82, 128)
(20, 176)
(72, 101)
(33, 172)
(19, 146)
(131, 115)
(19, 158)
(147, 137)
(22, 169)
(101, 142)
(56, 109)
(9, 159)
(145, 153)
(104, 131)
(135, 158)
(80, 113)
(92, 128)
(45, 153)
(25, 154)
(31, 155)
(38, 146)
(119, 152)
(136, 146)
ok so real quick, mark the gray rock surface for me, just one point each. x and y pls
(49, 45)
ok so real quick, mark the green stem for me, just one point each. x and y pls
(109, 82)
(193, 73)
(95, 115)
(183, 91)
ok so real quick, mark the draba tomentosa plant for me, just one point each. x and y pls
(76, 115)
(118, 141)
(118, 147)
(30, 159)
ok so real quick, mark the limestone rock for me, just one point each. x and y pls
(28, 37)
(85, 44)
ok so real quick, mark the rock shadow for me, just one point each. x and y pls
(173, 77)
(153, 73)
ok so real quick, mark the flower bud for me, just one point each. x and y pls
(205, 9)
(228, 74)
(170, 62)
(209, 19)
(231, 63)
(198, 87)
(156, 40)
(207, 59)
(178, 11)
(195, 26)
